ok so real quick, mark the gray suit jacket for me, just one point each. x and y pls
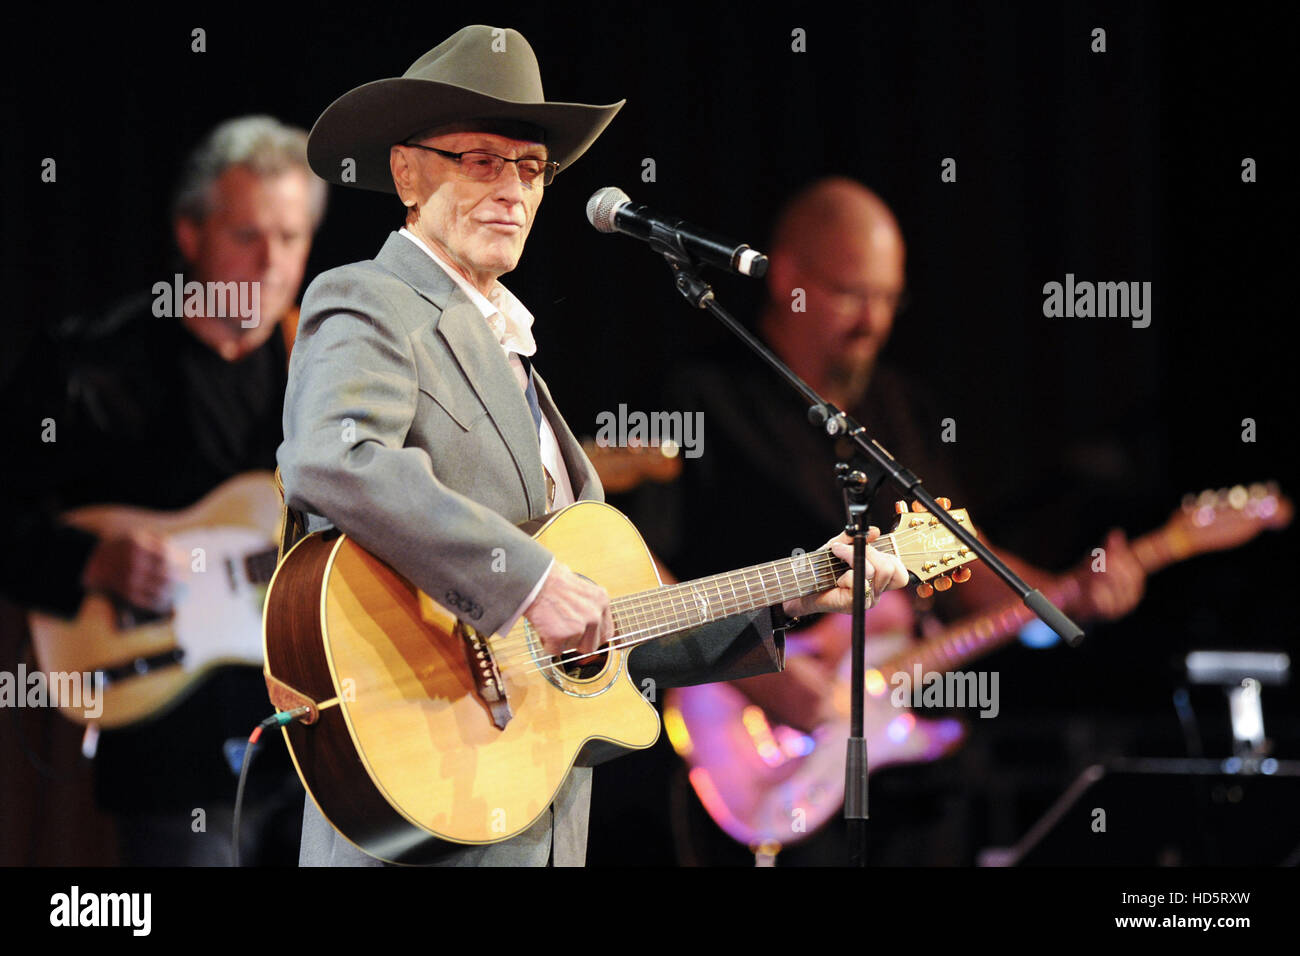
(405, 428)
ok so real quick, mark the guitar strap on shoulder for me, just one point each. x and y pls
(292, 525)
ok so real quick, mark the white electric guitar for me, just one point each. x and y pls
(147, 661)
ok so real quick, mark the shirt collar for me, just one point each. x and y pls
(511, 323)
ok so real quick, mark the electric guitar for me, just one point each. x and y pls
(147, 661)
(420, 732)
(770, 785)
(622, 468)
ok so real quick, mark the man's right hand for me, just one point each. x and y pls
(570, 613)
(133, 567)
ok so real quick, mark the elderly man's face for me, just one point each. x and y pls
(480, 227)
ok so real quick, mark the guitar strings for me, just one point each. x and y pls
(649, 617)
(638, 621)
(659, 607)
(666, 609)
(651, 610)
(669, 602)
(646, 612)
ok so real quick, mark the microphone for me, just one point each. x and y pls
(610, 210)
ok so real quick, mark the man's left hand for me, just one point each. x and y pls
(1112, 593)
(885, 573)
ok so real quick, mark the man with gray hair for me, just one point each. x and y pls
(238, 215)
(157, 403)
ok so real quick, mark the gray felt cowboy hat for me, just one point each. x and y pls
(478, 73)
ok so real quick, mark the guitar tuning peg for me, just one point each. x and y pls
(900, 507)
(942, 583)
(924, 590)
(917, 506)
(961, 575)
(944, 503)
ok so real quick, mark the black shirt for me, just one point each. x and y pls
(142, 413)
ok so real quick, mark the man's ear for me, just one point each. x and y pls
(186, 231)
(781, 275)
(399, 164)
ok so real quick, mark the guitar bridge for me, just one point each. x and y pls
(487, 679)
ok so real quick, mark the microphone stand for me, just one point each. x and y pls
(858, 488)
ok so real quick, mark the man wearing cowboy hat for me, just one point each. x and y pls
(414, 420)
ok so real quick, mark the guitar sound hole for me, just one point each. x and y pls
(583, 668)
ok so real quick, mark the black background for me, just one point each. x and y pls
(1119, 166)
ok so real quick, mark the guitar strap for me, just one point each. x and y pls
(292, 525)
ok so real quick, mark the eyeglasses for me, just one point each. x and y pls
(849, 298)
(484, 167)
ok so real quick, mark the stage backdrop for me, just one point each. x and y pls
(1148, 152)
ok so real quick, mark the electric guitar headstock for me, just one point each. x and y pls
(1227, 518)
(624, 468)
(929, 550)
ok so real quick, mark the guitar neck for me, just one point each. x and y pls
(977, 636)
(679, 607)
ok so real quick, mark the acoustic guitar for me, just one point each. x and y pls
(420, 733)
(768, 785)
(147, 661)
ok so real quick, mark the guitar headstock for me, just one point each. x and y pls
(1227, 518)
(624, 468)
(929, 550)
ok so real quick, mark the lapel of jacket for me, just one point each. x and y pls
(479, 355)
(582, 474)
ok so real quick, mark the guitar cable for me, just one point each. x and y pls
(275, 720)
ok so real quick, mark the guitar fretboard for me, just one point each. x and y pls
(679, 607)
